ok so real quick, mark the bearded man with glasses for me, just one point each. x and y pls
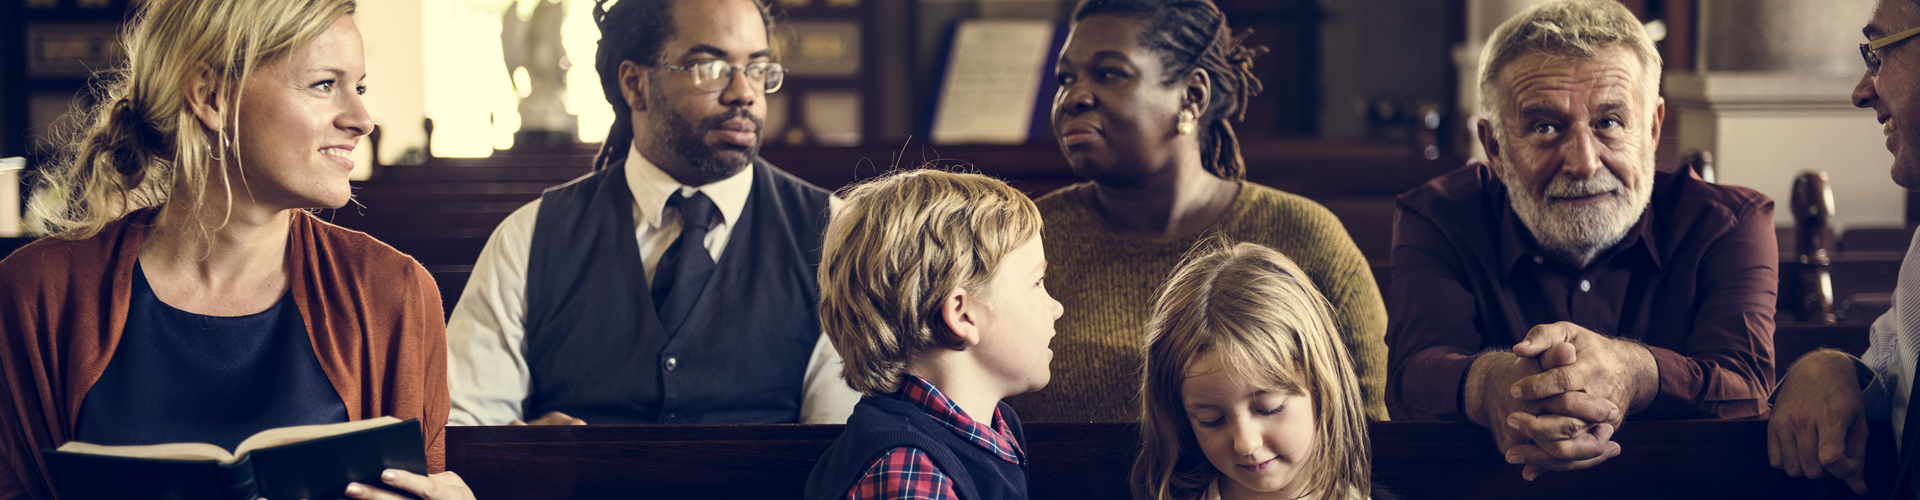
(674, 284)
(1820, 412)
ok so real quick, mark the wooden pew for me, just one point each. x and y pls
(468, 197)
(1812, 208)
(1816, 278)
(1791, 340)
(1369, 221)
(452, 280)
(1418, 460)
(1868, 239)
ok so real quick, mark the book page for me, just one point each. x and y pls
(993, 79)
(170, 451)
(286, 435)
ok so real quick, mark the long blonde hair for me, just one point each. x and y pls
(1273, 329)
(902, 242)
(137, 147)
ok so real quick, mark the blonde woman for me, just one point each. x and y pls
(188, 296)
(1249, 394)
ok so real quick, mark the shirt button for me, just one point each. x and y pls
(675, 362)
(1539, 260)
(1584, 286)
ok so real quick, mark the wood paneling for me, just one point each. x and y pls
(1418, 460)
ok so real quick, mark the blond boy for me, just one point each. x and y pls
(932, 290)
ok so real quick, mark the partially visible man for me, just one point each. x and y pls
(1819, 415)
(1565, 284)
(674, 284)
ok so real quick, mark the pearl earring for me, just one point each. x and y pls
(1186, 122)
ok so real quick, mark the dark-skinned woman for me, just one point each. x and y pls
(1147, 90)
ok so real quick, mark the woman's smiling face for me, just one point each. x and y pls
(299, 120)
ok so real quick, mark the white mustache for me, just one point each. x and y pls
(1567, 186)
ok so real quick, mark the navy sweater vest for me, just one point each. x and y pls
(596, 349)
(882, 424)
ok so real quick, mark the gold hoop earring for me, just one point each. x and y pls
(1187, 122)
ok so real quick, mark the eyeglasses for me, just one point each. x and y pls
(1868, 50)
(716, 75)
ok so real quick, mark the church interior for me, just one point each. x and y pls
(482, 105)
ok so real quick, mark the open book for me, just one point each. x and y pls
(310, 461)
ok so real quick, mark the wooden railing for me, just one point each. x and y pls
(1417, 460)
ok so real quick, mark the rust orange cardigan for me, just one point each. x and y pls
(372, 312)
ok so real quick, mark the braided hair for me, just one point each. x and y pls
(1193, 34)
(632, 30)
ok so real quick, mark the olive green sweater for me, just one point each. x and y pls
(1108, 284)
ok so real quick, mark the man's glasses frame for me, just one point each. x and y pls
(1868, 51)
(717, 74)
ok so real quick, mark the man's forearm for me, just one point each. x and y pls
(1644, 376)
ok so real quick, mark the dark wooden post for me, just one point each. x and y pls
(1813, 245)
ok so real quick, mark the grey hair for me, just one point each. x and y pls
(1576, 28)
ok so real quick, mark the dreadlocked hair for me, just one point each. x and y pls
(1193, 34)
(632, 30)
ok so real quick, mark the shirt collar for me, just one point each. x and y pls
(652, 187)
(997, 439)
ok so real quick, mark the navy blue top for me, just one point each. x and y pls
(180, 377)
(881, 424)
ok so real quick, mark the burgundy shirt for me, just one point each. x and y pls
(1695, 280)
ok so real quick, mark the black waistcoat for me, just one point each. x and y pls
(596, 349)
(881, 424)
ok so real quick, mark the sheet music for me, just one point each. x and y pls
(993, 76)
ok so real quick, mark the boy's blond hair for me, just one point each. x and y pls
(1272, 329)
(901, 243)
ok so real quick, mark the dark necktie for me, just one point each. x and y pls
(685, 267)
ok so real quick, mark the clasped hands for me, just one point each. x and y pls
(1554, 402)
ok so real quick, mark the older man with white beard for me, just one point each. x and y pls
(1565, 285)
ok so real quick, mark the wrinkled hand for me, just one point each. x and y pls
(1487, 398)
(551, 418)
(1588, 385)
(1576, 360)
(1819, 425)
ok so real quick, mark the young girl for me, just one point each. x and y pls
(1249, 394)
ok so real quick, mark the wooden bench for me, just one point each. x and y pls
(1857, 239)
(1792, 340)
(1419, 460)
(468, 197)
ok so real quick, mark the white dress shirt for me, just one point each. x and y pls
(1894, 345)
(486, 337)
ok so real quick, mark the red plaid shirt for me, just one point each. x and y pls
(906, 473)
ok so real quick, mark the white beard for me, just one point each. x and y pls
(1577, 234)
